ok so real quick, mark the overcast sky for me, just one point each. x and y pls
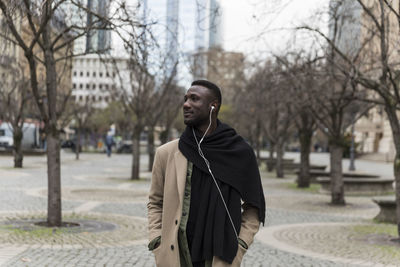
(252, 26)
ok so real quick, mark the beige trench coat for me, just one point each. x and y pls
(165, 208)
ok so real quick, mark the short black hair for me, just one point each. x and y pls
(211, 86)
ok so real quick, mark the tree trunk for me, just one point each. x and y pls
(54, 178)
(53, 141)
(337, 186)
(279, 160)
(150, 147)
(78, 142)
(87, 139)
(305, 149)
(258, 140)
(397, 188)
(135, 153)
(395, 126)
(17, 149)
(169, 133)
(270, 161)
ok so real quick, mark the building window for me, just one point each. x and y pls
(107, 74)
(74, 73)
(80, 86)
(106, 86)
(87, 74)
(100, 74)
(100, 86)
(94, 74)
(94, 98)
(113, 74)
(100, 98)
(106, 99)
(81, 73)
(80, 98)
(74, 86)
(87, 98)
(87, 86)
(94, 86)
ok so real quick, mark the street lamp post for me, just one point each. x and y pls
(352, 167)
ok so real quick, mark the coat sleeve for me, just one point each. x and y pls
(250, 224)
(156, 195)
(248, 229)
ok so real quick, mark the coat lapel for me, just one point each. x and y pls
(181, 170)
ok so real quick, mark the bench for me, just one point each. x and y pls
(314, 173)
(360, 186)
(387, 209)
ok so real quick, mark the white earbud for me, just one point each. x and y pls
(212, 107)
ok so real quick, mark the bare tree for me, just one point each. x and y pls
(139, 88)
(377, 67)
(300, 74)
(163, 113)
(261, 110)
(14, 97)
(171, 110)
(147, 83)
(81, 113)
(381, 73)
(278, 122)
(249, 103)
(332, 107)
(46, 39)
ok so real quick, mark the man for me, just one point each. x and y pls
(198, 183)
(109, 143)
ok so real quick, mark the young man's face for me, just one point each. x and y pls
(196, 107)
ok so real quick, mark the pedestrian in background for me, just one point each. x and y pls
(109, 143)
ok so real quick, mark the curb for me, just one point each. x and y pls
(267, 237)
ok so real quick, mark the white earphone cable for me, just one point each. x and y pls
(211, 173)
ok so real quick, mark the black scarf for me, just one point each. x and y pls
(234, 165)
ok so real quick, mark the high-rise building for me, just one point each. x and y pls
(215, 25)
(209, 24)
(172, 36)
(187, 32)
(98, 40)
(200, 25)
(349, 24)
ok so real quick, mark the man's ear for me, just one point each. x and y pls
(215, 105)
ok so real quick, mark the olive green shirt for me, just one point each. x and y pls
(184, 251)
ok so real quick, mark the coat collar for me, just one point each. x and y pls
(181, 172)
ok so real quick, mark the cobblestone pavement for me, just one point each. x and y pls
(301, 228)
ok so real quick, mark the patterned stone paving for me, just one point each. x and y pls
(301, 229)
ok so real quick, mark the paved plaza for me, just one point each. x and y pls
(301, 228)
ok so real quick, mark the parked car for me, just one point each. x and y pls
(30, 137)
(6, 138)
(124, 146)
(70, 144)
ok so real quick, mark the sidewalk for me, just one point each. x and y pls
(301, 228)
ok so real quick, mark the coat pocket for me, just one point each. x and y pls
(157, 256)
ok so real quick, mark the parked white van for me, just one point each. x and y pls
(30, 138)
